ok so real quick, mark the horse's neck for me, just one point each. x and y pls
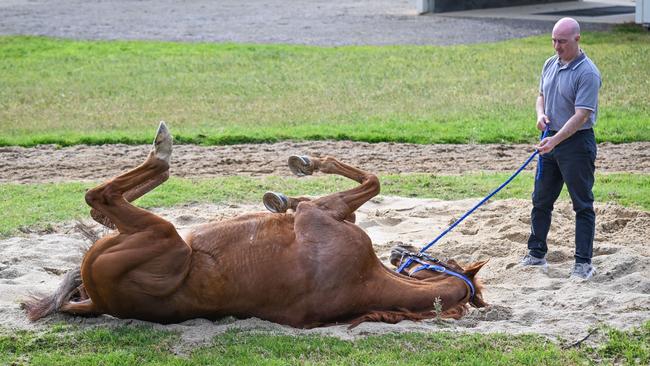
(419, 295)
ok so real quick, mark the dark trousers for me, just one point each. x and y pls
(571, 162)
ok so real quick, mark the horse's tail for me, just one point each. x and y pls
(37, 307)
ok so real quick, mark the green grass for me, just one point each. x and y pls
(67, 345)
(70, 92)
(38, 205)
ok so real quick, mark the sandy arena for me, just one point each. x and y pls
(523, 299)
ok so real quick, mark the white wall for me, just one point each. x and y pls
(642, 11)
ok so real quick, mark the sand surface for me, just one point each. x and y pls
(47, 163)
(522, 299)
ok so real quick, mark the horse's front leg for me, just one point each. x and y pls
(342, 204)
(281, 203)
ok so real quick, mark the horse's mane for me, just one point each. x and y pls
(393, 317)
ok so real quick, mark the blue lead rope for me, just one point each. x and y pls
(434, 241)
(539, 157)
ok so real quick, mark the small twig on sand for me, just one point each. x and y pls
(578, 343)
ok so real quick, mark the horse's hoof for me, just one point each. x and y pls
(301, 165)
(162, 144)
(275, 202)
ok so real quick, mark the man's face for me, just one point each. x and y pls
(565, 44)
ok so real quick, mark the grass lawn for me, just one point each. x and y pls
(66, 345)
(70, 92)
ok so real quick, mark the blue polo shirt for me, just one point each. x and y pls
(567, 87)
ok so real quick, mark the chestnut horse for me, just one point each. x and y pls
(305, 265)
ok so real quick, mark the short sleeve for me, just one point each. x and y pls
(547, 63)
(587, 92)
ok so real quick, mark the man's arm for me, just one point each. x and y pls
(542, 118)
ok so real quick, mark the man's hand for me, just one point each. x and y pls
(569, 128)
(542, 122)
(546, 145)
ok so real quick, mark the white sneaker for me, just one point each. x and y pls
(583, 271)
(529, 260)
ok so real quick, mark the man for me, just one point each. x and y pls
(568, 105)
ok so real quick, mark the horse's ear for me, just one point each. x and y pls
(473, 268)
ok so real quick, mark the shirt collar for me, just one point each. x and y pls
(574, 63)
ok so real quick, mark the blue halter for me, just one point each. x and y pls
(438, 268)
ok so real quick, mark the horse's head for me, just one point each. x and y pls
(401, 253)
(471, 271)
(426, 268)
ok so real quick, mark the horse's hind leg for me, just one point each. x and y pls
(110, 200)
(342, 204)
(84, 307)
(148, 258)
(130, 196)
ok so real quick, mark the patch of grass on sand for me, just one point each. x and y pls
(36, 206)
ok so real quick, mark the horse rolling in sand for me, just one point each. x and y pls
(305, 265)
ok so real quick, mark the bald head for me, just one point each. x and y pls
(566, 34)
(568, 26)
